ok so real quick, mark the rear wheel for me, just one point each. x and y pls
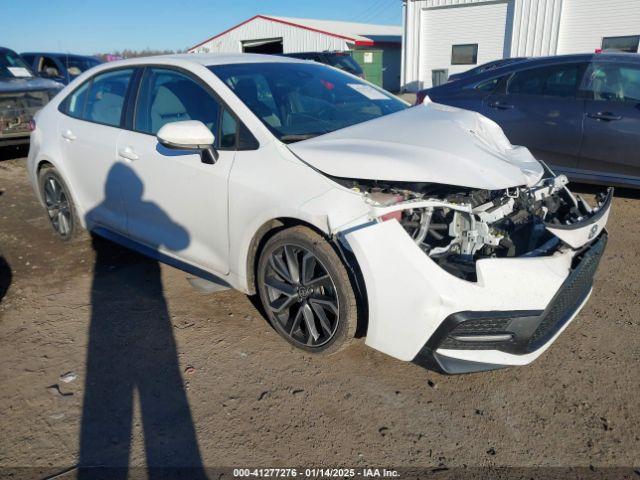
(306, 292)
(58, 203)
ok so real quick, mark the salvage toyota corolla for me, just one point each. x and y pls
(349, 213)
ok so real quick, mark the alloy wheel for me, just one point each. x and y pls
(302, 297)
(58, 207)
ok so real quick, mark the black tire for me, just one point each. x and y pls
(320, 312)
(58, 203)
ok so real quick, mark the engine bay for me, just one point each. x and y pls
(456, 226)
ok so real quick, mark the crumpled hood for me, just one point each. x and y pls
(428, 143)
(28, 84)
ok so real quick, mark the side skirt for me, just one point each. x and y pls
(159, 256)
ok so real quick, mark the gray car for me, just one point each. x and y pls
(578, 113)
(22, 94)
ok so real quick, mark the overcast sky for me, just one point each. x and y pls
(92, 26)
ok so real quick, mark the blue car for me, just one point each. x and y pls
(578, 113)
(61, 67)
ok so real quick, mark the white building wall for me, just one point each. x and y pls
(412, 74)
(444, 27)
(294, 39)
(533, 26)
(585, 22)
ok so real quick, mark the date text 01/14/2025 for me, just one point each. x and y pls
(314, 473)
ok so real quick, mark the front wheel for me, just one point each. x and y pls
(306, 291)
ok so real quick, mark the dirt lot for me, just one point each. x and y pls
(208, 381)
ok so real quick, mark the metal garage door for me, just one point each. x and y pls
(442, 28)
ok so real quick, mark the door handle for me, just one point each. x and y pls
(604, 116)
(68, 135)
(128, 154)
(501, 106)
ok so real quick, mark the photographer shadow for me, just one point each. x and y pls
(132, 354)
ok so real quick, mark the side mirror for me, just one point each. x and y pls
(189, 135)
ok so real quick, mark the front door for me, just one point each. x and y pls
(539, 108)
(612, 120)
(175, 203)
(89, 131)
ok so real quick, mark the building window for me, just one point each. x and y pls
(622, 44)
(464, 54)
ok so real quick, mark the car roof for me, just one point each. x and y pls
(603, 56)
(200, 59)
(550, 60)
(210, 59)
(560, 59)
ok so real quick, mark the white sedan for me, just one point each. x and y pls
(348, 212)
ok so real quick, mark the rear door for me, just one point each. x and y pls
(611, 145)
(89, 131)
(540, 109)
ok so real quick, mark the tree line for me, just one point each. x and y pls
(129, 53)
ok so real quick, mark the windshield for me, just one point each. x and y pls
(77, 65)
(297, 101)
(12, 65)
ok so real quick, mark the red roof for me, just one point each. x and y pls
(357, 41)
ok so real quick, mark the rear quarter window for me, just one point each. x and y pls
(74, 104)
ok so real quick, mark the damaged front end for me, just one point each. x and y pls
(475, 279)
(455, 226)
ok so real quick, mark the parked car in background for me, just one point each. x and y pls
(22, 94)
(342, 60)
(578, 113)
(343, 208)
(61, 67)
(485, 67)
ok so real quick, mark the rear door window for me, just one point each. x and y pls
(554, 81)
(106, 96)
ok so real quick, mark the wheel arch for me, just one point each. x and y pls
(40, 164)
(46, 162)
(273, 226)
(263, 234)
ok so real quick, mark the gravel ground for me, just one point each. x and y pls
(203, 379)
